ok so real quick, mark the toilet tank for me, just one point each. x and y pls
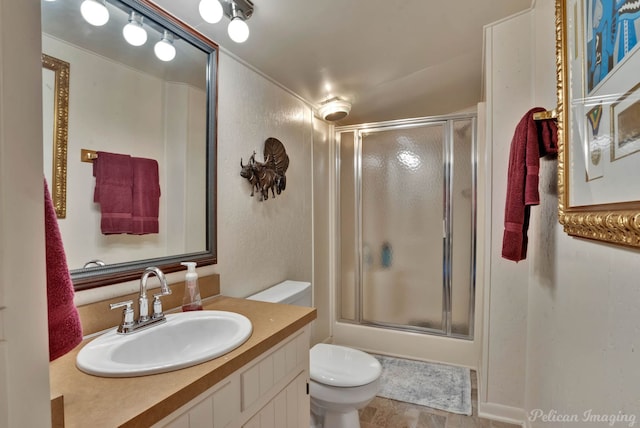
(289, 292)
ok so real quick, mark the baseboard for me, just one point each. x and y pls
(499, 412)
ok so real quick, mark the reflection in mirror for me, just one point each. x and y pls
(55, 116)
(124, 99)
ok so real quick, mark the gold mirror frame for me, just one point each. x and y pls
(60, 132)
(617, 223)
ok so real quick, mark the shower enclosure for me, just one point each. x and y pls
(407, 224)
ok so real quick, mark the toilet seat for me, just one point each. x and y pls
(340, 366)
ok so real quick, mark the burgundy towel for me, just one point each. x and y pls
(65, 330)
(531, 140)
(146, 196)
(113, 191)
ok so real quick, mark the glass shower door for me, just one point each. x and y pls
(402, 193)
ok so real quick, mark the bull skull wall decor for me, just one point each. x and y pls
(269, 174)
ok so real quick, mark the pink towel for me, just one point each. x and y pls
(531, 140)
(114, 190)
(146, 196)
(65, 329)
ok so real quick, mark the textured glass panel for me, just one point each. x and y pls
(402, 209)
(462, 198)
(347, 239)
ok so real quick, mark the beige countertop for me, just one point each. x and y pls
(141, 401)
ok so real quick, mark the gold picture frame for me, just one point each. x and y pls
(599, 197)
(60, 132)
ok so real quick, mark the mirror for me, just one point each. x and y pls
(55, 115)
(123, 99)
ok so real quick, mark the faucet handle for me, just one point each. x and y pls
(157, 306)
(127, 313)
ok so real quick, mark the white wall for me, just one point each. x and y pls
(583, 329)
(562, 328)
(323, 209)
(261, 243)
(509, 95)
(24, 351)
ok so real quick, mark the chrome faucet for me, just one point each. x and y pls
(128, 324)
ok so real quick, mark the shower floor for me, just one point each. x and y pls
(385, 413)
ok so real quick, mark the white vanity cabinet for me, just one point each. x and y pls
(271, 391)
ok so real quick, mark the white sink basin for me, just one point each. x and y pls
(186, 339)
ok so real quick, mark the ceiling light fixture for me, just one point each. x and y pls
(334, 109)
(134, 33)
(211, 11)
(164, 49)
(238, 11)
(94, 12)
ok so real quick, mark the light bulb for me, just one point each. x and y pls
(211, 11)
(238, 30)
(134, 33)
(164, 49)
(94, 12)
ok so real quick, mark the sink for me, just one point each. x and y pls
(184, 340)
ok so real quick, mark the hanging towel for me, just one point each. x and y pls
(113, 191)
(65, 330)
(146, 196)
(532, 139)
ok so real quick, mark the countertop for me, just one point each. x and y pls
(141, 401)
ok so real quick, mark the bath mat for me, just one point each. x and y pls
(427, 384)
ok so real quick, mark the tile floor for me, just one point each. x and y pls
(385, 413)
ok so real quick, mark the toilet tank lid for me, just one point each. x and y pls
(283, 292)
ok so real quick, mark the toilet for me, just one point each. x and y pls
(343, 380)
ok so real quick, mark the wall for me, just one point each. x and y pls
(322, 227)
(509, 95)
(562, 326)
(584, 319)
(24, 362)
(261, 243)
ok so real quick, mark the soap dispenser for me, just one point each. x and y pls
(192, 300)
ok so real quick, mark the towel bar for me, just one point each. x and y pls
(88, 155)
(544, 115)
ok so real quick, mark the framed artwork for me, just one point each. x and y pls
(598, 58)
(55, 111)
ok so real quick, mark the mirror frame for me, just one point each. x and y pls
(60, 132)
(613, 223)
(111, 274)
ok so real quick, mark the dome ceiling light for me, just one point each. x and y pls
(164, 49)
(238, 12)
(134, 33)
(95, 12)
(334, 109)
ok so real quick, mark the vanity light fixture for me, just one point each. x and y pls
(238, 11)
(134, 33)
(95, 12)
(211, 11)
(164, 49)
(238, 29)
(334, 109)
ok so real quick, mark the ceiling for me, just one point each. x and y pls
(392, 59)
